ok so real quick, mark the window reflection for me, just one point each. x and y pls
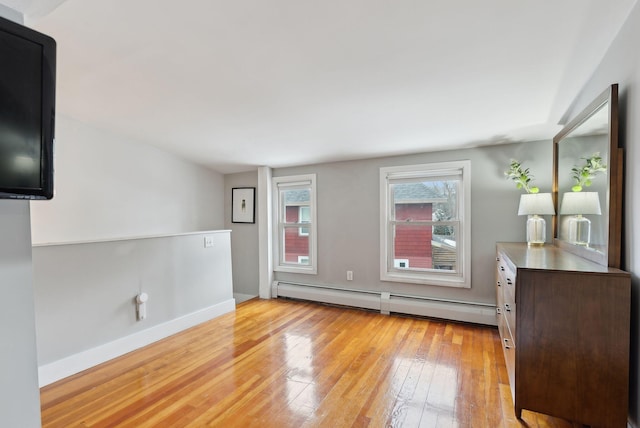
(300, 389)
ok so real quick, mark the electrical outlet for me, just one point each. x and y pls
(349, 275)
(208, 241)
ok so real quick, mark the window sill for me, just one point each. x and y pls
(437, 280)
(310, 270)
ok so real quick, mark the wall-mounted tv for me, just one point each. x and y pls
(27, 112)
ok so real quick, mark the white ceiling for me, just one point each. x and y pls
(242, 83)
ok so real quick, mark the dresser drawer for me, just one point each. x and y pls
(506, 277)
(499, 293)
(505, 266)
(509, 351)
(509, 312)
(499, 309)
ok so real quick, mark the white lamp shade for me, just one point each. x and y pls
(536, 204)
(580, 203)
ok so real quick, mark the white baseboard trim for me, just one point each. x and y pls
(465, 312)
(386, 302)
(243, 297)
(328, 295)
(52, 372)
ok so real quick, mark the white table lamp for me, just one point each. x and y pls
(534, 205)
(578, 204)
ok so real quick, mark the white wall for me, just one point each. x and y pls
(108, 187)
(19, 394)
(621, 65)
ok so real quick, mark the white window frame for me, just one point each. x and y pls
(305, 181)
(460, 169)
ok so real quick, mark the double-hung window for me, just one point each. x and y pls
(425, 224)
(295, 223)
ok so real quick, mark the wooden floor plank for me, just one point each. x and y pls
(283, 363)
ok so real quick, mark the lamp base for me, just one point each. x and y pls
(579, 230)
(536, 231)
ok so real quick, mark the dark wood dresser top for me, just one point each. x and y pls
(549, 257)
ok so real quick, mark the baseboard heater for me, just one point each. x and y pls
(385, 302)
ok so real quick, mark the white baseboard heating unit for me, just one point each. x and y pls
(385, 302)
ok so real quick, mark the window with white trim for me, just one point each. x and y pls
(295, 247)
(425, 224)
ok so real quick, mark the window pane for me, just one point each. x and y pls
(296, 247)
(445, 255)
(304, 216)
(425, 200)
(412, 247)
(418, 246)
(425, 246)
(293, 199)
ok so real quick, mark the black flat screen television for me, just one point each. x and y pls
(27, 112)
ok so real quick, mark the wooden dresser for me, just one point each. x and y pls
(564, 323)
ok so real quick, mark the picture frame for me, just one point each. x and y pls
(243, 205)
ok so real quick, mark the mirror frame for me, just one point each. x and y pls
(615, 181)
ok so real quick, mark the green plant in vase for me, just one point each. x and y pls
(577, 204)
(584, 175)
(532, 204)
(521, 176)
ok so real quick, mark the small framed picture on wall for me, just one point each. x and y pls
(243, 205)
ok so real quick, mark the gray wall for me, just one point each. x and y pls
(97, 282)
(244, 237)
(621, 65)
(349, 217)
(107, 187)
(19, 394)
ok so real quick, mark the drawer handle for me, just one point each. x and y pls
(499, 284)
(507, 307)
(497, 259)
(502, 268)
(509, 281)
(498, 311)
(506, 344)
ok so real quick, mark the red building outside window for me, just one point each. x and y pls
(421, 240)
(413, 243)
(296, 239)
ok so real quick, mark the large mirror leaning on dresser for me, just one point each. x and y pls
(587, 183)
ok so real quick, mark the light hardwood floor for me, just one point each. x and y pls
(280, 363)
